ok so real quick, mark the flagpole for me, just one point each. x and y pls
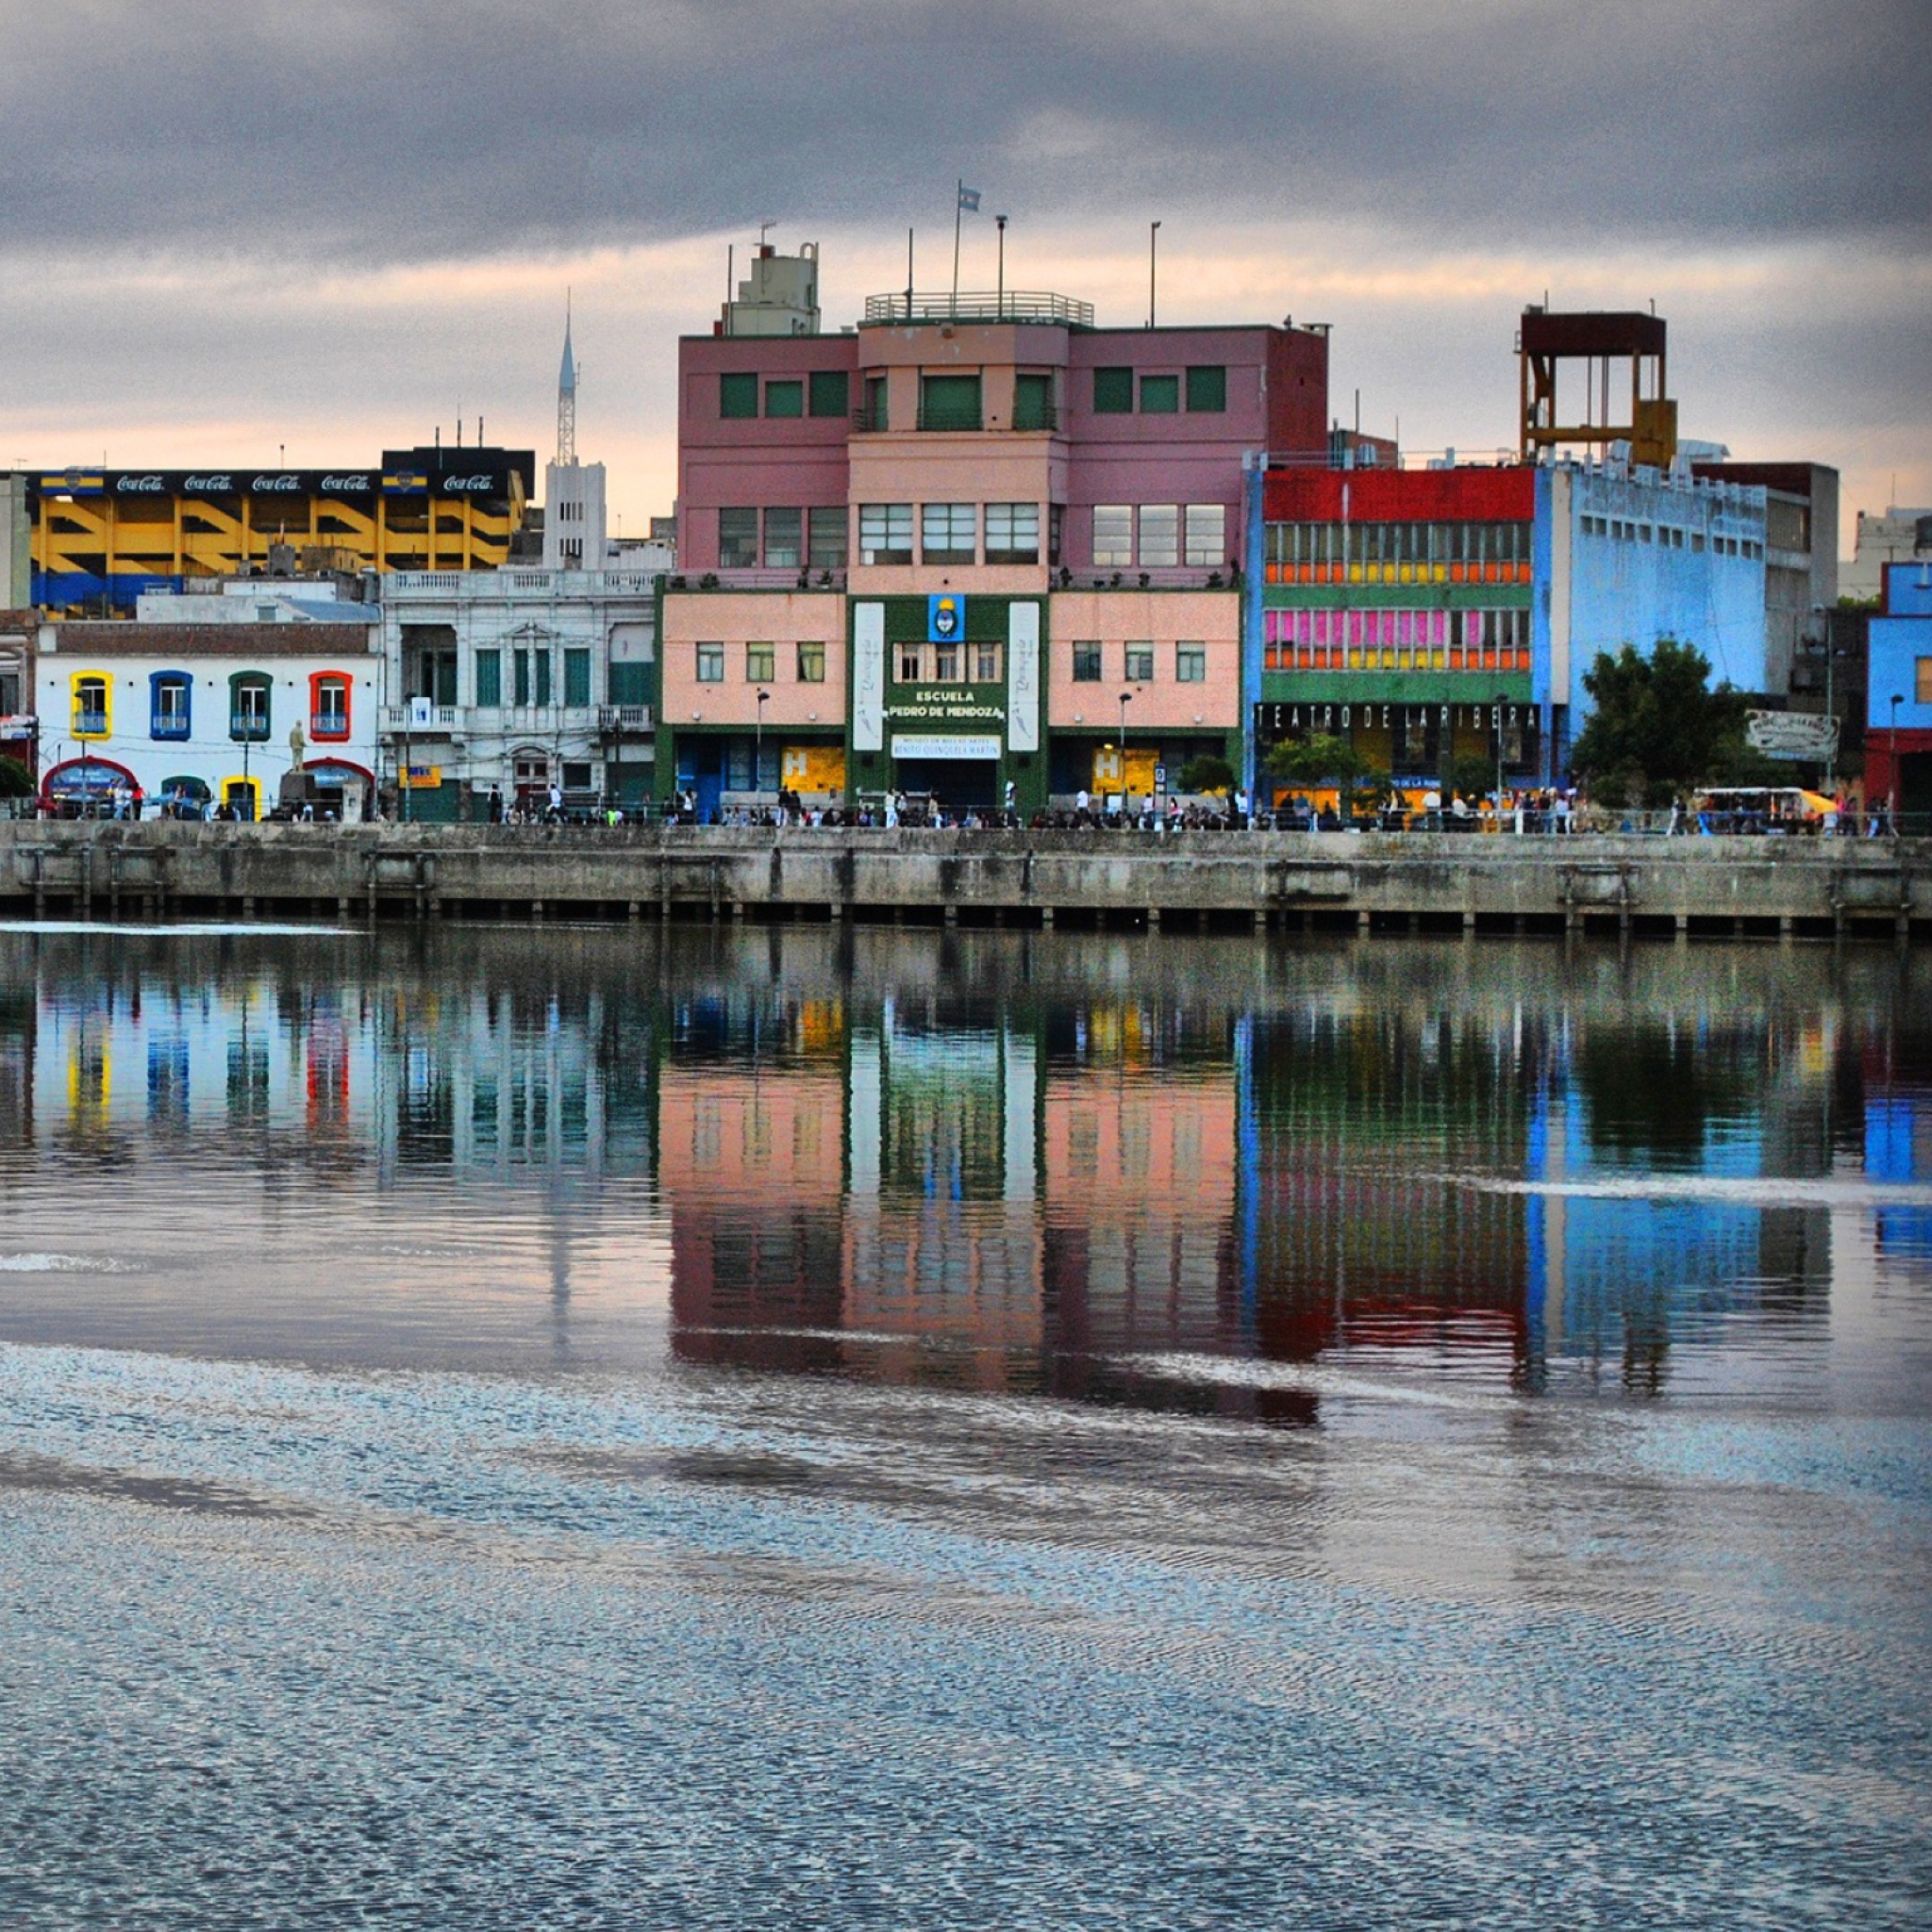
(958, 207)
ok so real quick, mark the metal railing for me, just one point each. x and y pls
(494, 585)
(812, 577)
(421, 717)
(979, 304)
(624, 717)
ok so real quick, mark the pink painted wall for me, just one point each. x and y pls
(1163, 618)
(733, 619)
(1277, 388)
(759, 460)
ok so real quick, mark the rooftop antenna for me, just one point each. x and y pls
(567, 397)
(764, 229)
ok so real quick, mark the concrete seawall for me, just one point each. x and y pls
(1198, 881)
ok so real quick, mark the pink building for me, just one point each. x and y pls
(1005, 501)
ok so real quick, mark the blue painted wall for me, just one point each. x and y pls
(1908, 589)
(1690, 566)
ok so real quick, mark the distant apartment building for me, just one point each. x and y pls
(1899, 536)
(1801, 566)
(99, 538)
(975, 547)
(16, 544)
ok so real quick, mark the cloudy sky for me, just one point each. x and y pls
(233, 227)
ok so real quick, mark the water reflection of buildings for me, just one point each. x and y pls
(877, 1155)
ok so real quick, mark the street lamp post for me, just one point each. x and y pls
(1501, 699)
(1152, 257)
(1891, 806)
(1126, 699)
(757, 760)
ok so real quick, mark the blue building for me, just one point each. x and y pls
(1632, 556)
(1898, 705)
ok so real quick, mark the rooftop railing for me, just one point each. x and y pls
(979, 304)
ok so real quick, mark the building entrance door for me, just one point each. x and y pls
(532, 782)
(958, 784)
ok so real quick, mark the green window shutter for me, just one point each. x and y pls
(949, 402)
(1114, 392)
(738, 395)
(521, 662)
(785, 398)
(1207, 390)
(630, 683)
(576, 677)
(489, 679)
(1160, 395)
(1033, 402)
(831, 392)
(542, 659)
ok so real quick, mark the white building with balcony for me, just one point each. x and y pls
(514, 681)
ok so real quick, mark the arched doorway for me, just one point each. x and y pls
(355, 785)
(90, 787)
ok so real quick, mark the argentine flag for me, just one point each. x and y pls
(968, 199)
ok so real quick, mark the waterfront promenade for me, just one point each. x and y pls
(1215, 881)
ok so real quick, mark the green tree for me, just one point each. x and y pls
(1473, 774)
(16, 781)
(1658, 728)
(1206, 774)
(1320, 760)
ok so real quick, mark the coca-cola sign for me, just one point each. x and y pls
(289, 485)
(149, 485)
(466, 485)
(347, 486)
(208, 485)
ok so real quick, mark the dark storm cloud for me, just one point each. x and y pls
(405, 130)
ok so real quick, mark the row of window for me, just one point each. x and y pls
(1137, 663)
(791, 539)
(1399, 543)
(1159, 535)
(761, 663)
(1203, 387)
(1402, 628)
(819, 392)
(966, 661)
(1668, 537)
(950, 532)
(1397, 641)
(1152, 535)
(522, 676)
(531, 678)
(955, 401)
(171, 705)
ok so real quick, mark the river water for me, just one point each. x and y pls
(800, 1428)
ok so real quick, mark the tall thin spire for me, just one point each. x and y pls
(567, 396)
